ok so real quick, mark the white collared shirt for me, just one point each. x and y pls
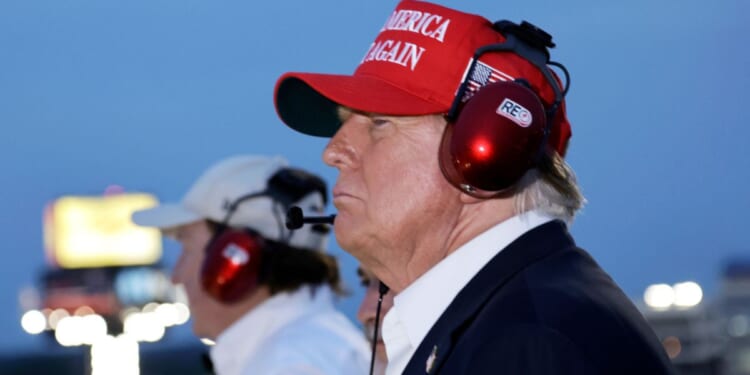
(416, 309)
(292, 333)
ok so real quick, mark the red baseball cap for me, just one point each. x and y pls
(414, 67)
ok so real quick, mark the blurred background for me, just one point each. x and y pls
(109, 105)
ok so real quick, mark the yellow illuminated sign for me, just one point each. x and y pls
(97, 231)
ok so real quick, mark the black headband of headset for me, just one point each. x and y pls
(532, 44)
(286, 186)
(289, 185)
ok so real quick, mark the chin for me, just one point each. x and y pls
(198, 330)
(346, 235)
(201, 330)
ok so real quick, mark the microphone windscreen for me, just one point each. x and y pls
(294, 218)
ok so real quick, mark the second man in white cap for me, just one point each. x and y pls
(262, 292)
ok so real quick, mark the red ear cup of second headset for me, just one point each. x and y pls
(494, 140)
(232, 264)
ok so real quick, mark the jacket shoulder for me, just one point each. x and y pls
(566, 310)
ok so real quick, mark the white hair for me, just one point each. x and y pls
(551, 188)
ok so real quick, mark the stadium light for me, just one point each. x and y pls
(33, 322)
(144, 326)
(659, 296)
(687, 294)
(183, 313)
(80, 330)
(56, 316)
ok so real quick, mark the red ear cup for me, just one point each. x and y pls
(231, 266)
(494, 141)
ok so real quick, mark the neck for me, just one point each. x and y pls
(234, 312)
(445, 236)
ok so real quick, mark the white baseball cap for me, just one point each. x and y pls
(231, 181)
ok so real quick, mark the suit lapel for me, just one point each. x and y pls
(532, 246)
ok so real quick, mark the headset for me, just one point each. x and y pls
(233, 262)
(499, 132)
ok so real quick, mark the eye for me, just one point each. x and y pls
(380, 121)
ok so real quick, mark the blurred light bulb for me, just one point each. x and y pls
(83, 311)
(94, 327)
(659, 296)
(672, 346)
(687, 294)
(183, 313)
(69, 331)
(56, 316)
(144, 327)
(33, 322)
(167, 314)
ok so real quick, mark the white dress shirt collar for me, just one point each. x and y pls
(416, 309)
(234, 347)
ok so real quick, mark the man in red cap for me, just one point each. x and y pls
(452, 190)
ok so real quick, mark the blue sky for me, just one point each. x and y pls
(147, 94)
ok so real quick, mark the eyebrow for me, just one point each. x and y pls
(344, 112)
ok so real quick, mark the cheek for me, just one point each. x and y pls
(402, 191)
(187, 271)
(194, 264)
(407, 186)
(191, 280)
(402, 166)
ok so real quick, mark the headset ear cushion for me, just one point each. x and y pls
(494, 140)
(231, 265)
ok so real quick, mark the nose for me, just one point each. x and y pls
(341, 151)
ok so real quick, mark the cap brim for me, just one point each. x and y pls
(165, 216)
(307, 102)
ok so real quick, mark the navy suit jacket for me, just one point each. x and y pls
(541, 306)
